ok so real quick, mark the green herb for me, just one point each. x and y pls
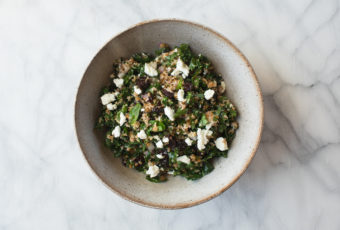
(142, 57)
(105, 90)
(180, 84)
(137, 69)
(161, 50)
(134, 113)
(207, 168)
(189, 97)
(161, 126)
(203, 122)
(194, 63)
(180, 112)
(156, 179)
(185, 52)
(232, 114)
(167, 101)
(200, 95)
(169, 59)
(196, 81)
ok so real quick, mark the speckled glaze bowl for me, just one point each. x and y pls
(242, 88)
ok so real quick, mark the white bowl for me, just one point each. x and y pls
(242, 88)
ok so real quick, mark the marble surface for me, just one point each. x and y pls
(294, 179)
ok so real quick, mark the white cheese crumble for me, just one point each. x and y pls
(116, 131)
(181, 67)
(118, 82)
(153, 171)
(165, 140)
(193, 136)
(208, 94)
(202, 138)
(169, 112)
(184, 159)
(159, 144)
(208, 126)
(141, 134)
(150, 69)
(221, 144)
(122, 119)
(111, 106)
(107, 98)
(160, 156)
(180, 95)
(188, 141)
(137, 90)
(156, 137)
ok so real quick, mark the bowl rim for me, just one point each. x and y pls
(246, 165)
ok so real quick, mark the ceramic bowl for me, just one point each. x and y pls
(242, 88)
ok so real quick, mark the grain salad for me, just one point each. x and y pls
(167, 114)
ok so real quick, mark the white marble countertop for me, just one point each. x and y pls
(294, 179)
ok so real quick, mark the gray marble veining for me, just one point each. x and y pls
(294, 179)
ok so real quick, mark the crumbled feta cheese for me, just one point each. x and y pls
(141, 134)
(142, 109)
(118, 82)
(159, 144)
(107, 98)
(111, 106)
(137, 90)
(202, 138)
(156, 137)
(171, 172)
(192, 135)
(208, 94)
(153, 171)
(150, 69)
(122, 119)
(221, 143)
(160, 156)
(208, 126)
(184, 159)
(116, 94)
(181, 67)
(188, 141)
(165, 140)
(209, 133)
(169, 112)
(180, 95)
(116, 131)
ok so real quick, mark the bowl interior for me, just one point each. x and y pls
(242, 89)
